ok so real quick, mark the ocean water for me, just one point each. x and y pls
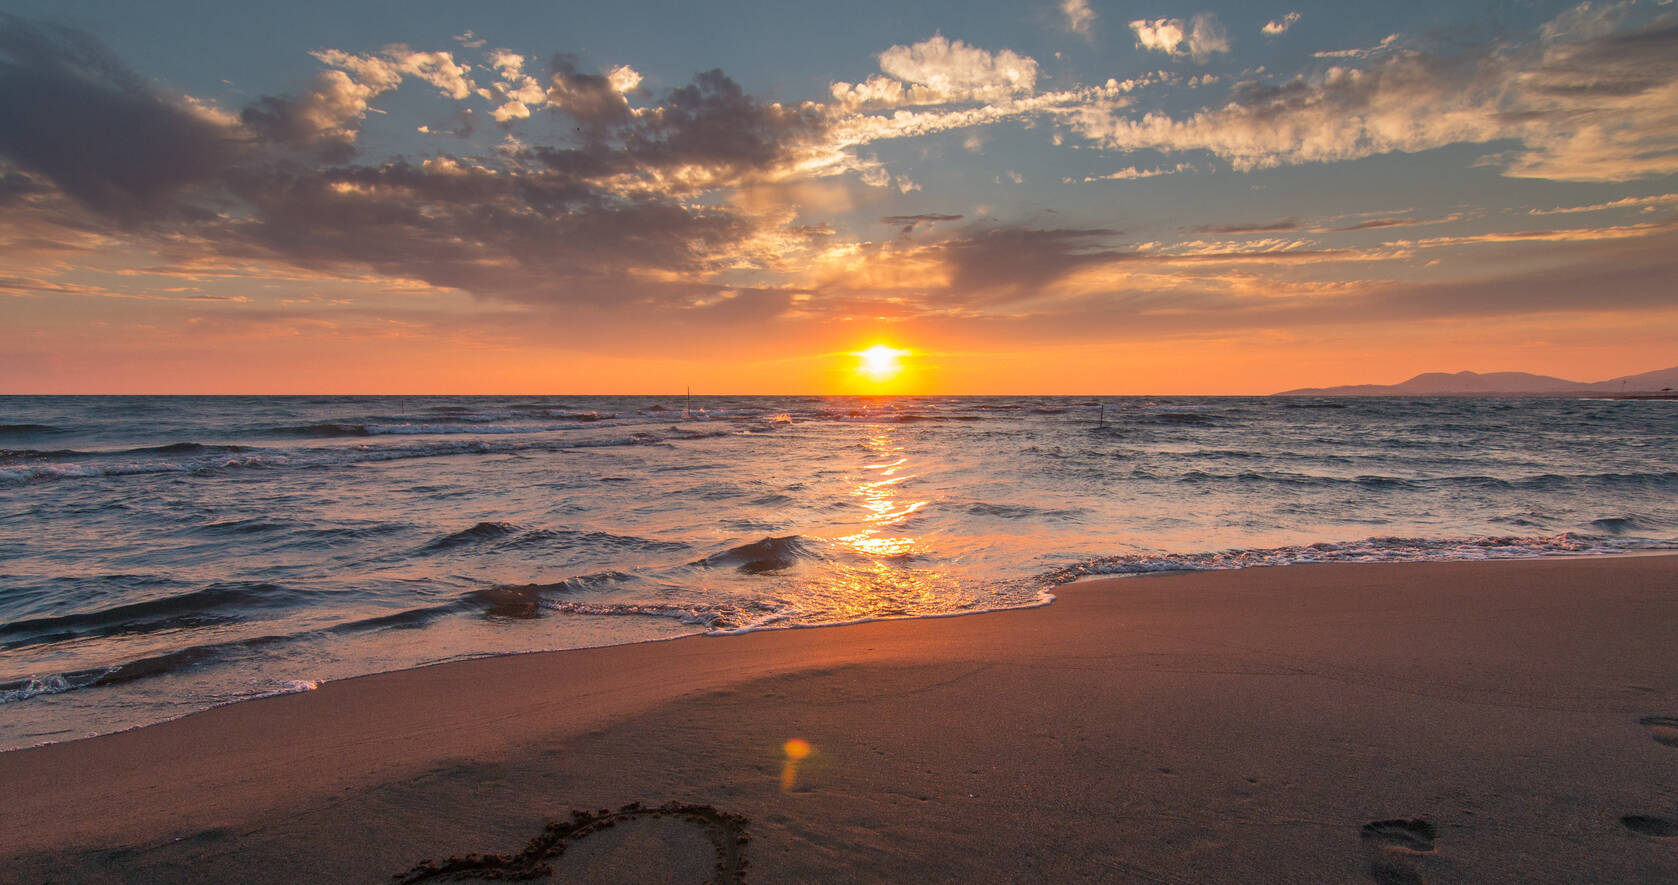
(161, 555)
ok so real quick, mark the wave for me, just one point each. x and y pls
(184, 448)
(483, 531)
(914, 418)
(338, 429)
(137, 669)
(28, 465)
(507, 536)
(41, 454)
(1181, 419)
(1375, 549)
(1547, 482)
(760, 556)
(215, 604)
(509, 600)
(715, 618)
(1021, 511)
(28, 429)
(1620, 525)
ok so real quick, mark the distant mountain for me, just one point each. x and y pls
(1498, 383)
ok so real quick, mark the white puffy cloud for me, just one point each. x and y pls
(939, 70)
(516, 92)
(386, 70)
(876, 91)
(1199, 38)
(1159, 35)
(341, 96)
(1079, 16)
(1278, 26)
(623, 78)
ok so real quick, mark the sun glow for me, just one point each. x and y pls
(880, 362)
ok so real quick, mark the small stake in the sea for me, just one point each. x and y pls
(1103, 423)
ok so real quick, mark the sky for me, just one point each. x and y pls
(1054, 197)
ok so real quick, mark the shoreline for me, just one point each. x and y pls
(1045, 595)
(1452, 678)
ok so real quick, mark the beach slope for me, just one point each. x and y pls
(1441, 722)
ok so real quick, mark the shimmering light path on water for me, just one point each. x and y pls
(160, 555)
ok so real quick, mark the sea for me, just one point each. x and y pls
(163, 555)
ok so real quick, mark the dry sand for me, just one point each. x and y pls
(1441, 722)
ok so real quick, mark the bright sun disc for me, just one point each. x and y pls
(881, 362)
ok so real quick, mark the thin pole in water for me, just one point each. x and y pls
(1103, 415)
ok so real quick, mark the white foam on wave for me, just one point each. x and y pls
(37, 685)
(1384, 549)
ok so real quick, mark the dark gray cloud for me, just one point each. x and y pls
(588, 98)
(908, 223)
(993, 265)
(71, 112)
(1378, 224)
(710, 125)
(1280, 225)
(15, 185)
(713, 122)
(292, 121)
(595, 221)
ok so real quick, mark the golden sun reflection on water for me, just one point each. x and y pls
(883, 508)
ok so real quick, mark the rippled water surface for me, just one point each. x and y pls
(160, 555)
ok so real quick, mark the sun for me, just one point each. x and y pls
(880, 362)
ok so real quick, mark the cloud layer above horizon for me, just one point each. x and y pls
(466, 195)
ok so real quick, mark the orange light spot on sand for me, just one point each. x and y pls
(797, 750)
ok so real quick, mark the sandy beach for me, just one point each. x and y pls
(1426, 722)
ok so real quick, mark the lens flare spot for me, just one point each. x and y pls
(797, 748)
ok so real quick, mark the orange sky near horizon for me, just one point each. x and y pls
(1186, 366)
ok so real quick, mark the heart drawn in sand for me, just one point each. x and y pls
(726, 831)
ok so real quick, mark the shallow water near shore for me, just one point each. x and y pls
(160, 555)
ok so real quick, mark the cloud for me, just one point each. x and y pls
(1647, 204)
(1008, 264)
(1199, 38)
(939, 71)
(1385, 44)
(1131, 173)
(1280, 225)
(1079, 16)
(704, 204)
(1599, 109)
(910, 222)
(330, 114)
(608, 221)
(1563, 235)
(76, 116)
(591, 99)
(1275, 27)
(1390, 221)
(1591, 109)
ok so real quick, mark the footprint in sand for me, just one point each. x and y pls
(1394, 844)
(1664, 729)
(1658, 827)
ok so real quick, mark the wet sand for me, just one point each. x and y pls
(1438, 722)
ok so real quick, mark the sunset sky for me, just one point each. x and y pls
(1064, 196)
